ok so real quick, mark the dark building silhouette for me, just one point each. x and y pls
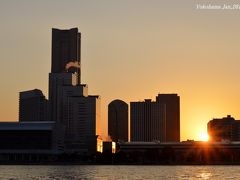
(147, 121)
(118, 120)
(29, 136)
(172, 102)
(181, 153)
(71, 105)
(66, 47)
(224, 129)
(159, 120)
(33, 106)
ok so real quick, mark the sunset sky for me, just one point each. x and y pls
(131, 50)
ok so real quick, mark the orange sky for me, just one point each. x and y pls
(131, 50)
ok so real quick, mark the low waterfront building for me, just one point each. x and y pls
(188, 152)
(30, 141)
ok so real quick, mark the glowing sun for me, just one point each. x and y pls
(203, 136)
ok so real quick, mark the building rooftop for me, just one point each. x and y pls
(31, 93)
(30, 125)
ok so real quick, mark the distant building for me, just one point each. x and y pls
(33, 106)
(148, 121)
(172, 102)
(156, 121)
(118, 120)
(225, 129)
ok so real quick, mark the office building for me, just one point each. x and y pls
(62, 85)
(147, 121)
(66, 48)
(33, 106)
(83, 123)
(172, 102)
(118, 120)
(77, 111)
(225, 129)
(71, 106)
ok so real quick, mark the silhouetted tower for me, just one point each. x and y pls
(118, 120)
(148, 121)
(172, 102)
(66, 47)
(71, 106)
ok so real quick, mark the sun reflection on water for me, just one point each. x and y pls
(205, 175)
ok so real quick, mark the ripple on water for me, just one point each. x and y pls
(118, 172)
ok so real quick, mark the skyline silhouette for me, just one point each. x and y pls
(132, 51)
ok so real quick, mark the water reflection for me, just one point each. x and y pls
(205, 175)
(119, 172)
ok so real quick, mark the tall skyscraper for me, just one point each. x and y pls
(118, 120)
(71, 106)
(66, 48)
(75, 114)
(172, 102)
(147, 121)
(33, 106)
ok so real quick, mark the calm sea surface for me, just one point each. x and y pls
(119, 172)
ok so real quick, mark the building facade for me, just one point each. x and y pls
(118, 120)
(83, 123)
(225, 129)
(159, 120)
(33, 106)
(148, 121)
(66, 47)
(172, 102)
(30, 136)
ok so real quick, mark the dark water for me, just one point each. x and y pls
(119, 172)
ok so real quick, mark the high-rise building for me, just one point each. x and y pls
(62, 85)
(118, 120)
(172, 102)
(147, 121)
(78, 112)
(33, 106)
(83, 117)
(71, 106)
(158, 120)
(66, 48)
(223, 129)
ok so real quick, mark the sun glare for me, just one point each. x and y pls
(203, 137)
